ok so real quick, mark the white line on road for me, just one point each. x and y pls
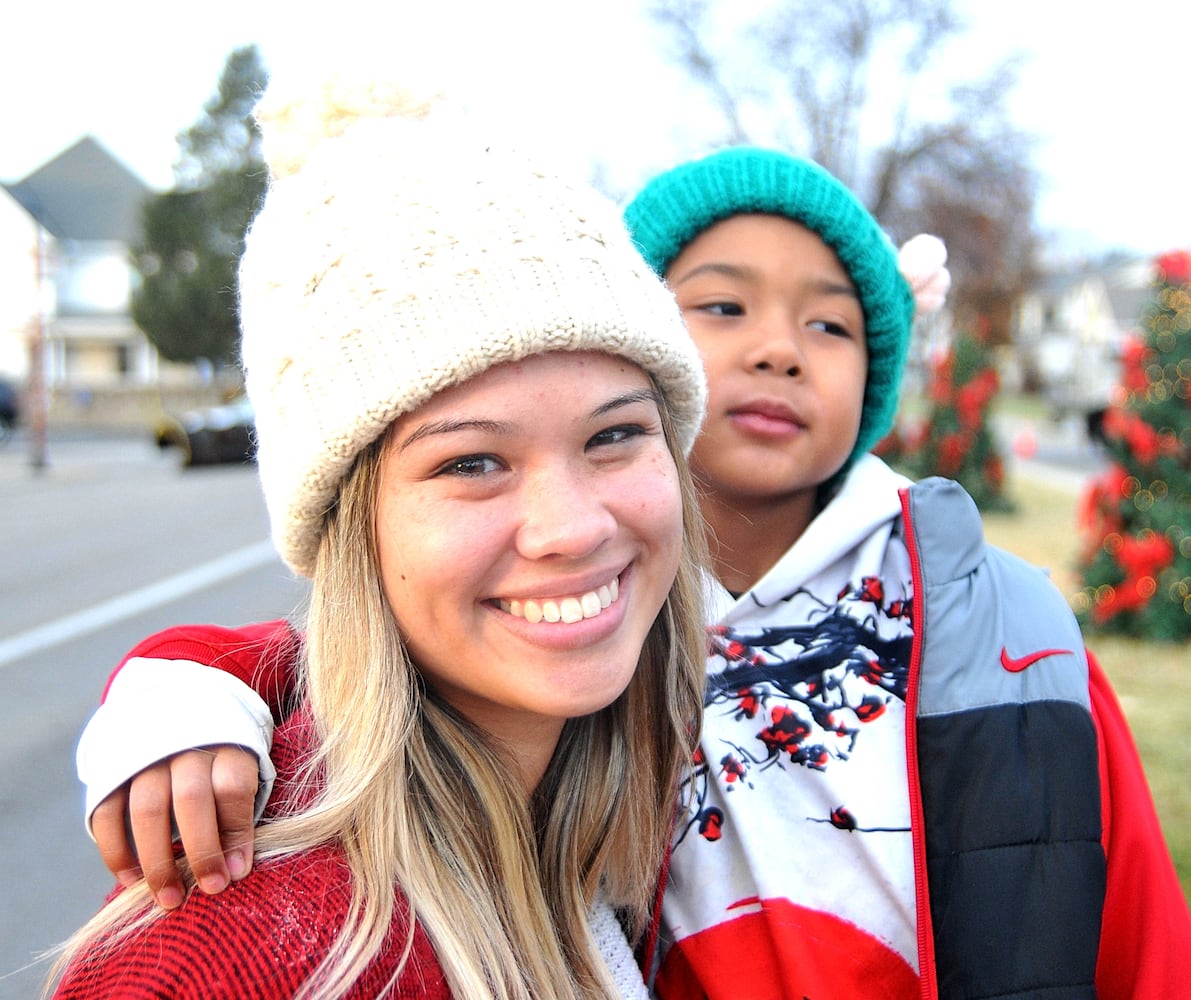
(134, 602)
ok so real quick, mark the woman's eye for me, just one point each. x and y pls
(470, 465)
(615, 435)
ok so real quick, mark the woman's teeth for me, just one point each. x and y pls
(566, 609)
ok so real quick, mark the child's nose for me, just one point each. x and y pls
(778, 349)
(562, 515)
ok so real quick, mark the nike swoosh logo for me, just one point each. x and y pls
(1016, 664)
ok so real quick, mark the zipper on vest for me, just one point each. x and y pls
(928, 989)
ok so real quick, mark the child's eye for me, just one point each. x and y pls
(615, 435)
(835, 329)
(723, 309)
(470, 466)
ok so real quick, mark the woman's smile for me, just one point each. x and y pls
(565, 609)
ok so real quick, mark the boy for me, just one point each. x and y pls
(913, 781)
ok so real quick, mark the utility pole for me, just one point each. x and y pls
(36, 393)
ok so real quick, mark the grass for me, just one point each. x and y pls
(1152, 680)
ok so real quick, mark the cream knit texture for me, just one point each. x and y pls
(610, 940)
(405, 256)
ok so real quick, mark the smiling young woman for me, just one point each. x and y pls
(473, 401)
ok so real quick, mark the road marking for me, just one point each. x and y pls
(98, 616)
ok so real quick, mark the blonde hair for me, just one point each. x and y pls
(420, 799)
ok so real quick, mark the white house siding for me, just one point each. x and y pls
(1070, 330)
(18, 286)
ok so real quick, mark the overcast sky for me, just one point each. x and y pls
(1107, 88)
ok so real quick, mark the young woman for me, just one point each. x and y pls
(472, 402)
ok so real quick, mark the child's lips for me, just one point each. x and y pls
(767, 416)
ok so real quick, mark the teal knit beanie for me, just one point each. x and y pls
(676, 206)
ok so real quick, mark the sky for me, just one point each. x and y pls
(1106, 92)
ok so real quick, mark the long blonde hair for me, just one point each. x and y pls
(419, 798)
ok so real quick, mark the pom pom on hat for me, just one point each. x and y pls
(676, 206)
(396, 255)
(922, 261)
(295, 121)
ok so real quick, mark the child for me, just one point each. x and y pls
(891, 702)
(912, 779)
(504, 625)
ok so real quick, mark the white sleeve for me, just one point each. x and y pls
(140, 723)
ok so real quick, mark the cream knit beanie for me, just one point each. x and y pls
(397, 255)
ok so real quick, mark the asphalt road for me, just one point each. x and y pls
(108, 543)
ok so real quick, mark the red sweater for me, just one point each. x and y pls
(259, 939)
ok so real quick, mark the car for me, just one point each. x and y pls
(10, 411)
(211, 436)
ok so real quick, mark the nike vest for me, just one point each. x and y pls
(1005, 758)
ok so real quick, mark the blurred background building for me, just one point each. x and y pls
(1069, 333)
(66, 280)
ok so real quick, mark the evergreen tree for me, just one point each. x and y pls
(193, 235)
(955, 438)
(1136, 518)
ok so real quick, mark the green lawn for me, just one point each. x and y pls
(1153, 680)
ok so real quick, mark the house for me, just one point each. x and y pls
(1069, 330)
(19, 299)
(88, 206)
(66, 236)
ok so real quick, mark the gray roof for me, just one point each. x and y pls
(1128, 303)
(1125, 281)
(84, 193)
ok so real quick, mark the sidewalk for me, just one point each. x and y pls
(1062, 455)
(77, 455)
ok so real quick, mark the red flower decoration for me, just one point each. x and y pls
(994, 472)
(1175, 267)
(1142, 558)
(942, 378)
(1098, 513)
(1143, 441)
(1146, 554)
(1134, 357)
(953, 449)
(968, 406)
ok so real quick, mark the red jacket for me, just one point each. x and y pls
(263, 936)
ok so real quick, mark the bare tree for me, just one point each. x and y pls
(856, 86)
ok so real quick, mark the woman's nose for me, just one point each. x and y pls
(563, 515)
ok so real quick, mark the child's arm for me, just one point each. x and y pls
(167, 696)
(1145, 937)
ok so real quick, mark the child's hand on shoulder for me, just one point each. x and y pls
(209, 793)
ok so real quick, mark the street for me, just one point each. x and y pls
(109, 543)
